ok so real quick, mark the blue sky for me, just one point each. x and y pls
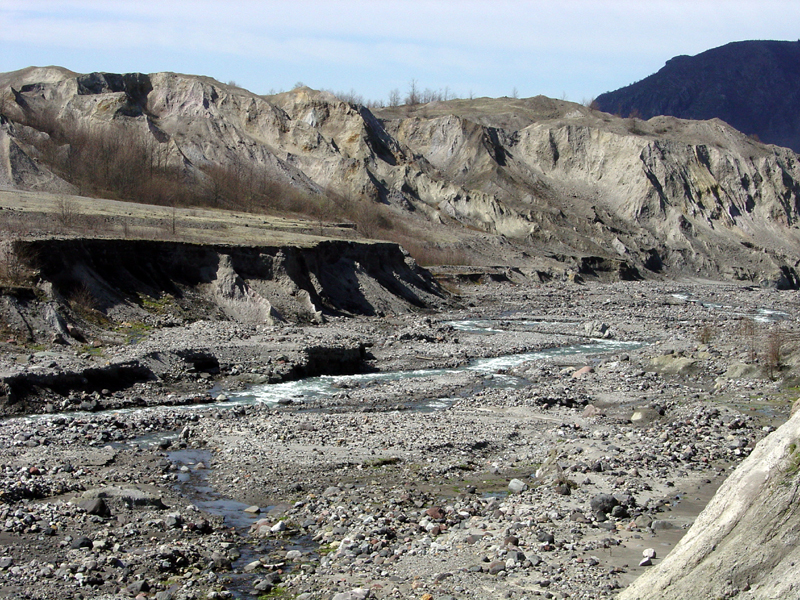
(575, 49)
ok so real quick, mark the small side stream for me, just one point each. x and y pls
(760, 315)
(193, 484)
(195, 466)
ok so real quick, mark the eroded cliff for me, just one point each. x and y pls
(168, 282)
(547, 178)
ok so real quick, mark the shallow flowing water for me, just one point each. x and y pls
(193, 484)
(315, 388)
(760, 315)
(493, 370)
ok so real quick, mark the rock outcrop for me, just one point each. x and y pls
(512, 179)
(258, 285)
(745, 542)
(19, 171)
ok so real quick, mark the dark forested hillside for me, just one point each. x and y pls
(753, 86)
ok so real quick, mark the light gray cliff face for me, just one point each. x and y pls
(555, 178)
(745, 543)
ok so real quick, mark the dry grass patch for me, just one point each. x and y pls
(429, 255)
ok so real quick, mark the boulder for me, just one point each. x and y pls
(582, 372)
(743, 371)
(550, 472)
(597, 329)
(517, 486)
(644, 416)
(603, 503)
(133, 497)
(591, 411)
(673, 364)
(354, 594)
(95, 506)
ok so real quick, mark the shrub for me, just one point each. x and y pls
(66, 210)
(773, 352)
(82, 299)
(747, 330)
(706, 334)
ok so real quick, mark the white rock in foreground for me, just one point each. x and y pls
(745, 543)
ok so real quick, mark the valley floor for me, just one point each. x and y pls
(550, 475)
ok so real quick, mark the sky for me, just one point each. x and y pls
(571, 49)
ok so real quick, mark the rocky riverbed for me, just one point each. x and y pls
(539, 474)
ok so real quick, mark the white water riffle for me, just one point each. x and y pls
(329, 385)
(492, 325)
(760, 315)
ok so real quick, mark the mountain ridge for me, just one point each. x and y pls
(520, 182)
(753, 85)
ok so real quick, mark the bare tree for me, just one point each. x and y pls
(413, 94)
(66, 211)
(351, 97)
(773, 352)
(633, 122)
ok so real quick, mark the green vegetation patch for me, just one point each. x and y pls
(794, 460)
(91, 350)
(156, 305)
(277, 592)
(134, 332)
(383, 462)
